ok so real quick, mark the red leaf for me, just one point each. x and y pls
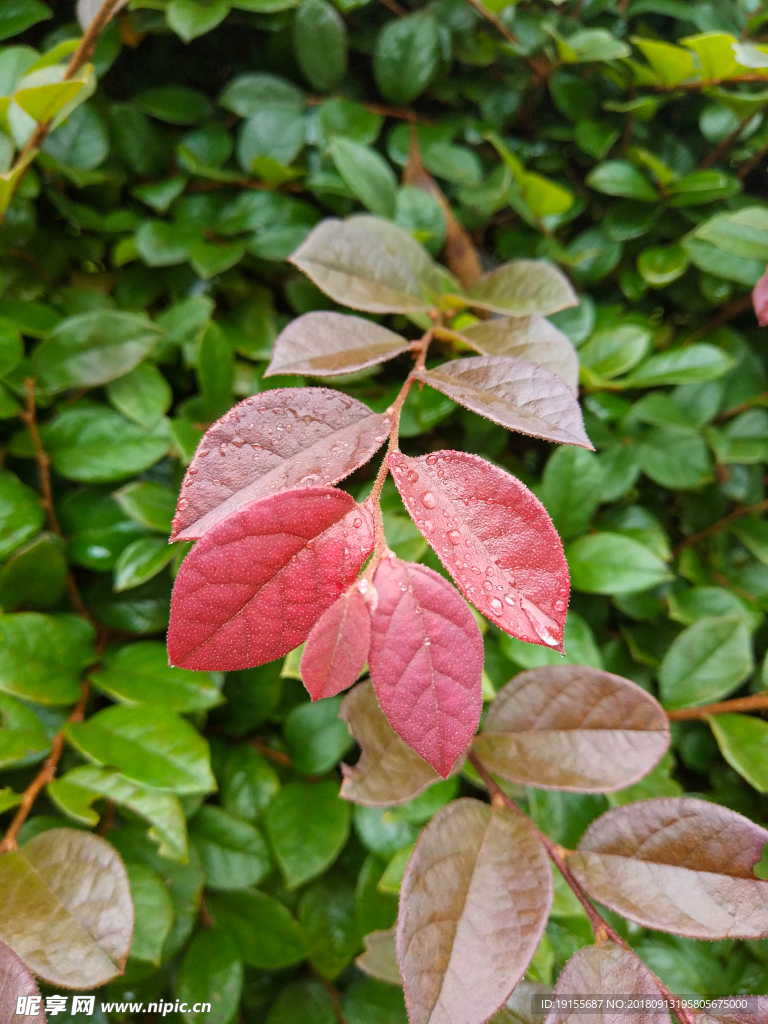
(760, 300)
(253, 587)
(289, 437)
(337, 647)
(426, 661)
(495, 539)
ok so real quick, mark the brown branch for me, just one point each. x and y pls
(757, 702)
(727, 313)
(497, 23)
(720, 525)
(600, 927)
(46, 774)
(394, 6)
(29, 416)
(725, 145)
(737, 410)
(746, 169)
(274, 755)
(79, 58)
(108, 821)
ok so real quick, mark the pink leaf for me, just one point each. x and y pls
(289, 437)
(426, 661)
(253, 587)
(337, 647)
(760, 300)
(495, 539)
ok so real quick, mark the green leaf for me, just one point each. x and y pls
(671, 64)
(320, 42)
(370, 1001)
(715, 52)
(614, 351)
(753, 534)
(675, 457)
(571, 488)
(43, 656)
(743, 234)
(140, 674)
(141, 561)
(35, 575)
(707, 661)
(149, 504)
(743, 742)
(607, 563)
(211, 973)
(21, 514)
(23, 739)
(316, 736)
(620, 178)
(661, 266)
(306, 1000)
(692, 364)
(702, 187)
(248, 782)
(154, 913)
(307, 825)
(42, 94)
(233, 852)
(94, 444)
(18, 15)
(174, 104)
(142, 395)
(596, 44)
(329, 921)
(67, 941)
(215, 371)
(278, 132)
(162, 810)
(407, 56)
(152, 746)
(263, 930)
(744, 439)
(11, 348)
(192, 18)
(368, 175)
(687, 606)
(545, 198)
(247, 94)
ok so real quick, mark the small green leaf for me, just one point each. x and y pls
(211, 972)
(407, 56)
(620, 178)
(264, 931)
(233, 853)
(153, 913)
(607, 563)
(307, 825)
(142, 395)
(320, 41)
(706, 662)
(141, 561)
(743, 742)
(661, 266)
(21, 514)
(35, 575)
(368, 175)
(140, 674)
(192, 18)
(149, 504)
(23, 739)
(42, 656)
(316, 736)
(694, 363)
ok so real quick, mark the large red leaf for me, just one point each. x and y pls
(337, 648)
(473, 906)
(289, 437)
(253, 587)
(426, 661)
(495, 539)
(604, 971)
(678, 864)
(573, 727)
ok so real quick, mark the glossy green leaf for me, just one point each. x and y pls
(23, 738)
(153, 911)
(42, 656)
(620, 178)
(307, 825)
(407, 56)
(140, 674)
(34, 576)
(367, 174)
(21, 514)
(320, 41)
(743, 742)
(211, 973)
(607, 563)
(142, 395)
(706, 662)
(317, 737)
(263, 930)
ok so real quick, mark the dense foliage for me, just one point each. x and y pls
(143, 282)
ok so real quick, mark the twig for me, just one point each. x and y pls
(45, 775)
(497, 23)
(757, 702)
(108, 821)
(29, 416)
(720, 525)
(600, 927)
(725, 145)
(274, 755)
(205, 916)
(394, 6)
(80, 57)
(737, 410)
(747, 168)
(726, 314)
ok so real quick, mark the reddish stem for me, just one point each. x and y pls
(757, 702)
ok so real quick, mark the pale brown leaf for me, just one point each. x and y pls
(518, 1008)
(603, 971)
(280, 439)
(67, 908)
(389, 772)
(514, 393)
(473, 905)
(532, 338)
(372, 264)
(326, 344)
(677, 864)
(380, 959)
(523, 288)
(575, 728)
(16, 980)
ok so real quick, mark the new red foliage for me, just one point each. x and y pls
(337, 647)
(253, 587)
(495, 539)
(426, 661)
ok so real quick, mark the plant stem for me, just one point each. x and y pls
(720, 525)
(600, 927)
(726, 314)
(757, 702)
(45, 775)
(497, 23)
(80, 57)
(725, 145)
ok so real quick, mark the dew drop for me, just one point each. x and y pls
(427, 641)
(495, 605)
(559, 606)
(428, 525)
(475, 568)
(489, 571)
(412, 476)
(441, 472)
(192, 472)
(454, 537)
(203, 453)
(428, 499)
(238, 442)
(510, 600)
(487, 585)
(311, 542)
(357, 523)
(431, 460)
